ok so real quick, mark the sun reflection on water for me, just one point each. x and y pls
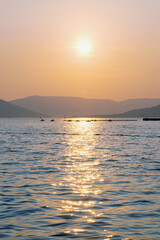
(82, 172)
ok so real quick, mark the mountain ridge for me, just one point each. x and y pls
(58, 106)
(10, 110)
(138, 113)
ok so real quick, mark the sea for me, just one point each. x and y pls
(79, 179)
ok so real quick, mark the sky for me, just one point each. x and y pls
(39, 53)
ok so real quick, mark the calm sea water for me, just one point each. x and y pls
(79, 179)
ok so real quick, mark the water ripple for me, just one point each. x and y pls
(82, 180)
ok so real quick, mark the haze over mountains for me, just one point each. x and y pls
(11, 110)
(75, 106)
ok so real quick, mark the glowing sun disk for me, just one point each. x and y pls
(83, 47)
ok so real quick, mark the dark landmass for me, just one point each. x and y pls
(152, 112)
(79, 107)
(11, 110)
(151, 119)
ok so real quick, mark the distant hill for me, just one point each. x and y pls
(75, 106)
(11, 110)
(145, 112)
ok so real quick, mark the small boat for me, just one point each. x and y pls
(52, 120)
(42, 120)
(67, 120)
(151, 119)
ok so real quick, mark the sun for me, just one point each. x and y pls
(83, 47)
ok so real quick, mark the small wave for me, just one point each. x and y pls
(55, 224)
(142, 215)
(26, 212)
(143, 202)
(8, 226)
(61, 133)
(149, 192)
(4, 235)
(125, 135)
(155, 169)
(61, 234)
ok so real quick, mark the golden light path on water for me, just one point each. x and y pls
(81, 183)
(81, 172)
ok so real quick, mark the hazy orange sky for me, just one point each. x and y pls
(38, 54)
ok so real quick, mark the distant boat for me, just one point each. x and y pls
(151, 119)
(52, 120)
(42, 120)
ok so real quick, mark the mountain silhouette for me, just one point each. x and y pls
(75, 106)
(136, 113)
(11, 110)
